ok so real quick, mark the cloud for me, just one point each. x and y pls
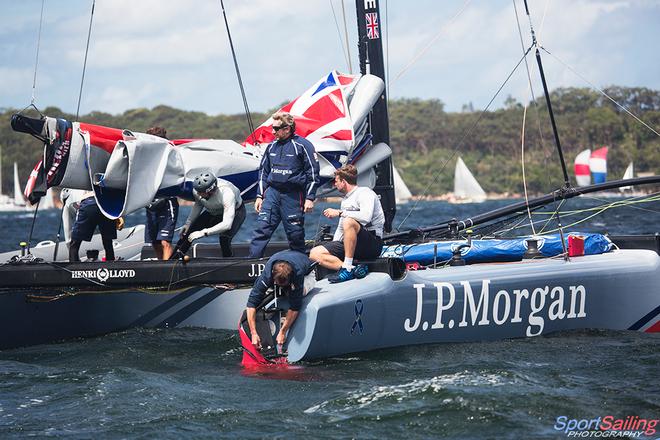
(147, 52)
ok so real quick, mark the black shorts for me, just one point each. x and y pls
(89, 216)
(368, 247)
(162, 222)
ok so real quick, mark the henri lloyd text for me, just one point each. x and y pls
(504, 306)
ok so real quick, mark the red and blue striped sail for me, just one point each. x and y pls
(581, 168)
(598, 165)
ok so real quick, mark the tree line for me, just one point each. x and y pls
(427, 140)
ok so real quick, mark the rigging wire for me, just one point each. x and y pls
(522, 134)
(602, 92)
(465, 135)
(36, 59)
(238, 75)
(422, 51)
(348, 49)
(341, 39)
(387, 52)
(82, 79)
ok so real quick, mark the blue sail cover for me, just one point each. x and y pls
(483, 251)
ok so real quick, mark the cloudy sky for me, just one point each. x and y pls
(176, 52)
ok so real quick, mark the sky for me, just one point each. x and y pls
(143, 53)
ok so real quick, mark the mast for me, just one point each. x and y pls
(567, 182)
(370, 49)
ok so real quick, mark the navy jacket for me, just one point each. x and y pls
(290, 165)
(300, 264)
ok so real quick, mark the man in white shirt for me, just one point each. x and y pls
(360, 230)
(218, 210)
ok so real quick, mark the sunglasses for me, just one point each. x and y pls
(279, 127)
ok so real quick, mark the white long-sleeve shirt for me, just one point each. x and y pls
(223, 202)
(361, 204)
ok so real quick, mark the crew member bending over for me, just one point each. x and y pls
(286, 270)
(218, 209)
(360, 230)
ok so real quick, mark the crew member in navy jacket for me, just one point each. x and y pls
(288, 180)
(286, 270)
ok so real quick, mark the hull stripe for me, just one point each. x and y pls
(646, 319)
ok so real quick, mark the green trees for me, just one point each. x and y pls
(426, 140)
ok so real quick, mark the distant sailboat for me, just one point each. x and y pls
(466, 187)
(401, 192)
(598, 165)
(591, 165)
(628, 174)
(18, 202)
(581, 168)
(18, 194)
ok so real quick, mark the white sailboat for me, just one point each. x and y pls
(401, 192)
(466, 187)
(628, 174)
(18, 202)
(18, 194)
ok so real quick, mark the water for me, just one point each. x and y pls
(189, 382)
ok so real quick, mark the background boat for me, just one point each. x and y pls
(466, 187)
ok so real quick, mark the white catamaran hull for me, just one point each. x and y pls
(618, 290)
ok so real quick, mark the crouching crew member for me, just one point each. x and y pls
(360, 230)
(285, 270)
(218, 209)
(288, 180)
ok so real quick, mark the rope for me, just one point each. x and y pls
(36, 59)
(524, 123)
(82, 79)
(238, 75)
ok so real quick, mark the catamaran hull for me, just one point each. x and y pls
(31, 319)
(619, 290)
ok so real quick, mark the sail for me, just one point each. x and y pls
(401, 192)
(598, 165)
(581, 168)
(18, 194)
(127, 169)
(628, 174)
(466, 186)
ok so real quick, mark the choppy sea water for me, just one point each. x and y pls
(189, 382)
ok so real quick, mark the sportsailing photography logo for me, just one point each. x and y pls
(607, 427)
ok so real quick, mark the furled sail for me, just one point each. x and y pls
(332, 115)
(466, 187)
(128, 169)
